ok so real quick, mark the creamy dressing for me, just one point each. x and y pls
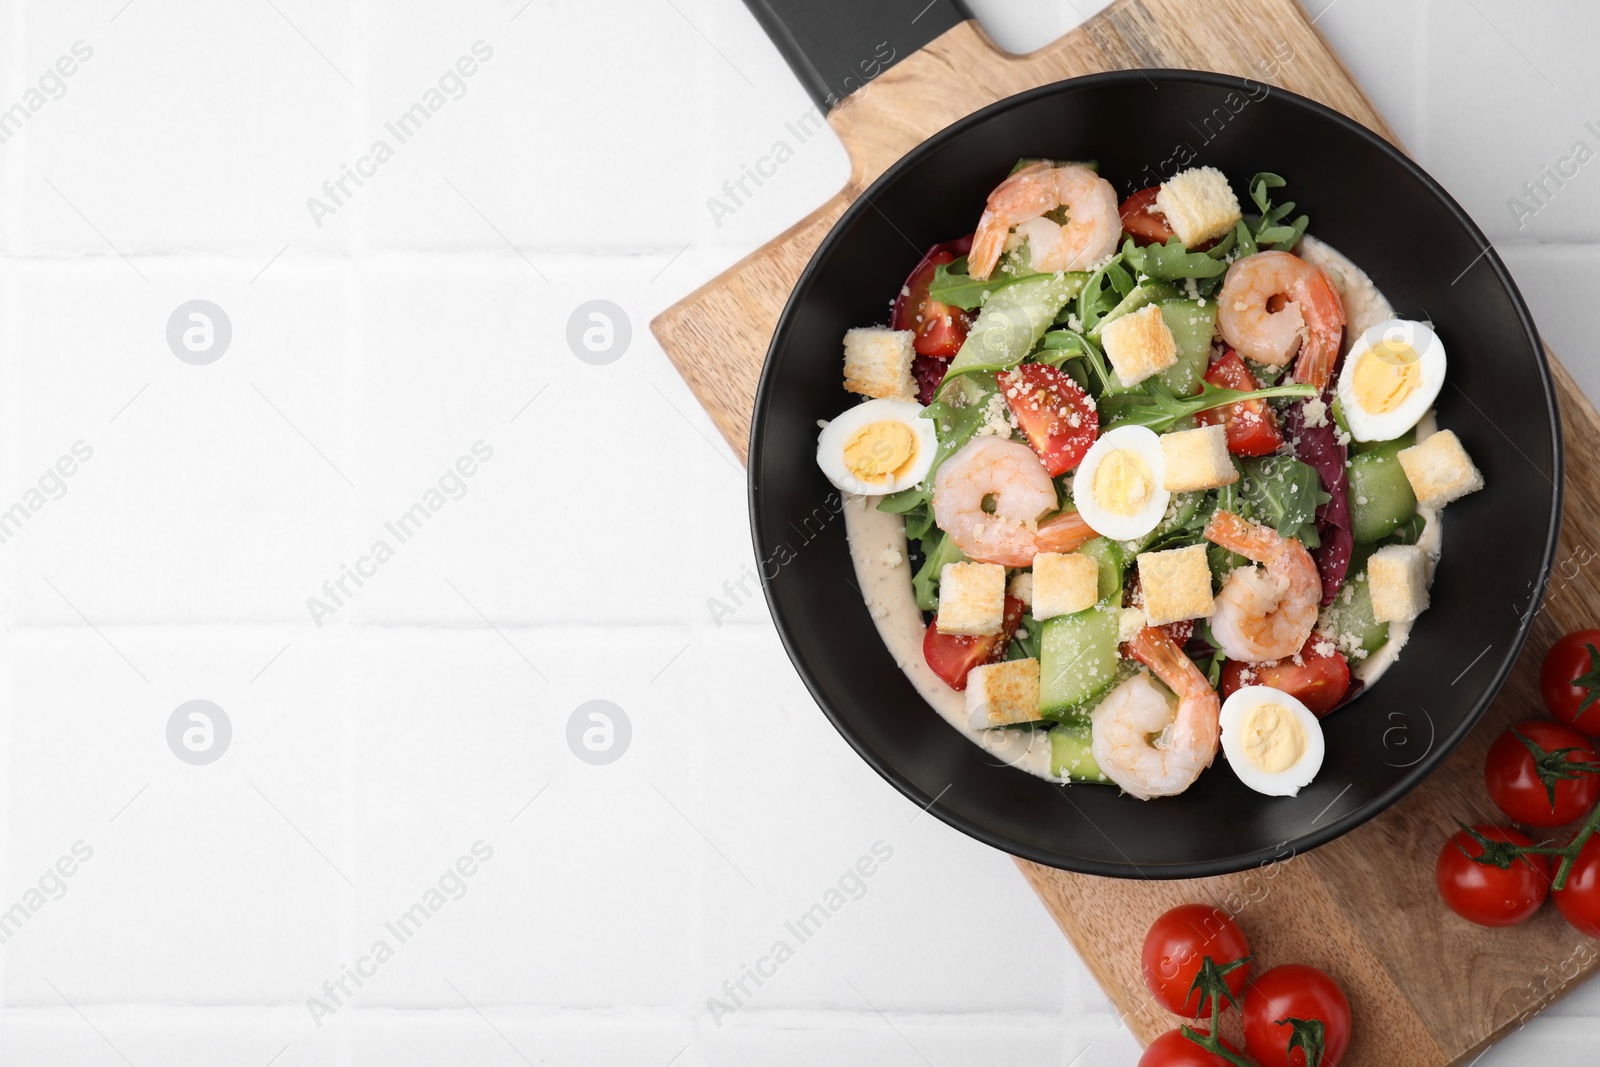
(1365, 307)
(883, 568)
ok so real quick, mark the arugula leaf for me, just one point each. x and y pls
(1160, 409)
(954, 286)
(1244, 239)
(1271, 230)
(1026, 641)
(1171, 261)
(1058, 346)
(926, 581)
(919, 521)
(1224, 246)
(1283, 493)
(1223, 561)
(1103, 291)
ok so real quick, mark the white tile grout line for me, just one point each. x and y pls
(85, 1018)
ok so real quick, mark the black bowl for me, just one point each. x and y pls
(1368, 201)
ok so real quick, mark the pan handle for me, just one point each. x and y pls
(835, 47)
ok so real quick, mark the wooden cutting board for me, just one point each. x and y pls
(1426, 988)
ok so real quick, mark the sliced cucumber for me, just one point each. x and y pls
(1071, 757)
(1405, 440)
(1113, 561)
(1077, 659)
(1013, 320)
(1192, 325)
(1380, 494)
(1351, 613)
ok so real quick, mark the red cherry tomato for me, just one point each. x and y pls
(1483, 893)
(1294, 991)
(940, 328)
(1569, 680)
(952, 657)
(1173, 1049)
(1318, 681)
(1252, 427)
(1052, 412)
(1579, 900)
(1176, 945)
(1517, 783)
(1141, 219)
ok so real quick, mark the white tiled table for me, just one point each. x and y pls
(428, 711)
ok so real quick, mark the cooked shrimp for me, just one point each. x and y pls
(1267, 612)
(1274, 304)
(1007, 476)
(1023, 201)
(1138, 738)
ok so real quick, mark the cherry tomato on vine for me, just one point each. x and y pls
(1569, 680)
(1176, 946)
(1487, 894)
(1579, 900)
(1536, 786)
(1295, 992)
(1173, 1049)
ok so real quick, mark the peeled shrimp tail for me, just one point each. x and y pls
(1263, 612)
(1064, 533)
(1240, 535)
(1325, 331)
(1139, 741)
(1018, 195)
(1274, 305)
(1196, 726)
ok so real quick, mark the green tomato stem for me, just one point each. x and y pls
(1569, 854)
(1212, 1042)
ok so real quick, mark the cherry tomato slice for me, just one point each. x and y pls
(1319, 681)
(1569, 682)
(1483, 893)
(1517, 787)
(1141, 219)
(1054, 414)
(940, 329)
(1252, 427)
(952, 657)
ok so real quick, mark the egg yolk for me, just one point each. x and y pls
(1122, 482)
(1385, 375)
(1274, 740)
(876, 451)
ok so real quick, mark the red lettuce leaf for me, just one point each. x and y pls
(929, 372)
(1319, 447)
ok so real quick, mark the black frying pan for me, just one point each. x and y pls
(1364, 198)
